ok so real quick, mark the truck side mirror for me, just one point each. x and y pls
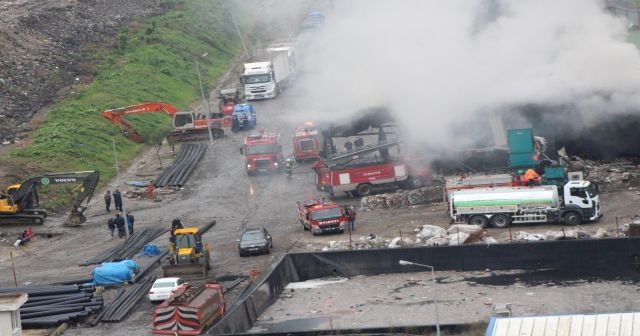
(241, 80)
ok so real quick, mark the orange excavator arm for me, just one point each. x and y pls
(116, 116)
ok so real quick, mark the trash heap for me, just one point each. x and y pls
(463, 234)
(401, 198)
(572, 233)
(428, 235)
(609, 172)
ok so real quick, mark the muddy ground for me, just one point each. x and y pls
(219, 189)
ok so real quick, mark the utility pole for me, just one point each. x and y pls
(204, 100)
(124, 208)
(235, 24)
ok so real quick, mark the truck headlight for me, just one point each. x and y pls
(343, 224)
(275, 164)
(248, 165)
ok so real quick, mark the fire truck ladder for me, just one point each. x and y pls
(344, 157)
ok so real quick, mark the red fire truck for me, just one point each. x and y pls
(307, 142)
(263, 152)
(353, 172)
(321, 216)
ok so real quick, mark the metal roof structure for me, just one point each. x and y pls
(618, 324)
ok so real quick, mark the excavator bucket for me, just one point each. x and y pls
(185, 271)
(75, 219)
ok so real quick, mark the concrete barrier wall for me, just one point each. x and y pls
(604, 258)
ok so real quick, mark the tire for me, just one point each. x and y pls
(500, 221)
(364, 189)
(480, 221)
(268, 250)
(414, 182)
(242, 255)
(572, 218)
(38, 220)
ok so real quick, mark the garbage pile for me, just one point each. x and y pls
(402, 198)
(428, 235)
(610, 172)
(572, 233)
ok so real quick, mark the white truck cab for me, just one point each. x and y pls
(259, 81)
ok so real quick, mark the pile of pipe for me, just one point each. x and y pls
(125, 299)
(128, 248)
(51, 305)
(176, 174)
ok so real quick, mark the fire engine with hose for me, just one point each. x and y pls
(363, 169)
(187, 125)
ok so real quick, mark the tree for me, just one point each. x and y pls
(155, 138)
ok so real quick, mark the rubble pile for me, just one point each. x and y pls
(401, 198)
(572, 233)
(428, 235)
(141, 193)
(611, 172)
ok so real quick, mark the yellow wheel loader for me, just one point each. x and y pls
(189, 257)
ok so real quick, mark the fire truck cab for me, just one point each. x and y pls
(263, 153)
(307, 142)
(321, 216)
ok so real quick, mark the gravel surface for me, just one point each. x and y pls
(407, 300)
(219, 189)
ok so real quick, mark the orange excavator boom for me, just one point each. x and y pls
(116, 116)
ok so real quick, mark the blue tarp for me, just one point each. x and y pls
(112, 273)
(150, 250)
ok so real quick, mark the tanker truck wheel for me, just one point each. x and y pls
(500, 221)
(480, 221)
(572, 218)
(364, 189)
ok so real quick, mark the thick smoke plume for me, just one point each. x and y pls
(441, 65)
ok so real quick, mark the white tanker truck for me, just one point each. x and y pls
(500, 207)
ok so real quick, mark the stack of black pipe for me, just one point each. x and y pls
(125, 300)
(129, 247)
(51, 305)
(188, 157)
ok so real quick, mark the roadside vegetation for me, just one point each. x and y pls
(152, 60)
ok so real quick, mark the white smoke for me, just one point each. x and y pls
(437, 64)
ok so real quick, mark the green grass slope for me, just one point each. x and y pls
(152, 60)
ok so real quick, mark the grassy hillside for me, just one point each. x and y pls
(153, 60)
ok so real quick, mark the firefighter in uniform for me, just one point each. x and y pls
(288, 167)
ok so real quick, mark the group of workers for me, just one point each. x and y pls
(118, 223)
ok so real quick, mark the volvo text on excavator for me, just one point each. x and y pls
(187, 126)
(20, 204)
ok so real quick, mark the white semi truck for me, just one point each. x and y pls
(266, 78)
(500, 207)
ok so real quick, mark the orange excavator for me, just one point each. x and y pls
(187, 126)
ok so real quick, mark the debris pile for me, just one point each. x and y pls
(428, 235)
(600, 172)
(402, 198)
(572, 233)
(141, 193)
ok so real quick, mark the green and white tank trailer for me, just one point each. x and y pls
(502, 206)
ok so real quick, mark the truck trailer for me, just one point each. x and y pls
(189, 310)
(363, 175)
(500, 207)
(265, 78)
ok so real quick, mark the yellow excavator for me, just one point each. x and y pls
(20, 203)
(189, 256)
